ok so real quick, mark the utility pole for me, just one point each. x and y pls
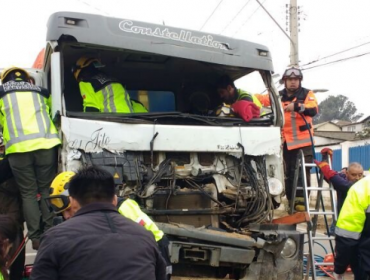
(293, 20)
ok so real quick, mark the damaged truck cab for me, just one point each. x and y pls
(210, 182)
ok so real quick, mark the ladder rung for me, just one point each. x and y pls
(310, 165)
(316, 189)
(324, 263)
(323, 238)
(314, 212)
(319, 189)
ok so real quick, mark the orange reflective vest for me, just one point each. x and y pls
(295, 132)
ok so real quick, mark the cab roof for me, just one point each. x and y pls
(102, 31)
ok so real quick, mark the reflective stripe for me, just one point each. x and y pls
(37, 107)
(111, 99)
(8, 117)
(105, 101)
(40, 112)
(128, 101)
(368, 209)
(294, 126)
(347, 234)
(296, 141)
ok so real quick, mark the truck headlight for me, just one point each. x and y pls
(290, 248)
(275, 186)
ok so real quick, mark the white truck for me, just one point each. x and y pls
(210, 182)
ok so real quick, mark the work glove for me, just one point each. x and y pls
(327, 152)
(325, 169)
(247, 110)
(338, 276)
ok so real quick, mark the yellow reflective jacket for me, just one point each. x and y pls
(131, 210)
(138, 107)
(105, 94)
(25, 118)
(356, 208)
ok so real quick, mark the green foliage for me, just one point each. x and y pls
(337, 108)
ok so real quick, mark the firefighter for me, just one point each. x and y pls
(30, 139)
(100, 93)
(59, 202)
(243, 104)
(300, 106)
(352, 232)
(138, 107)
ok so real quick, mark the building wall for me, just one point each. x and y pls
(356, 127)
(328, 127)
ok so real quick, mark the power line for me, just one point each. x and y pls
(314, 61)
(237, 31)
(94, 7)
(291, 41)
(235, 16)
(211, 15)
(336, 61)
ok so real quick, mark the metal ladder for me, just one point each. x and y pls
(314, 213)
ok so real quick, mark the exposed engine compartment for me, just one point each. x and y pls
(199, 189)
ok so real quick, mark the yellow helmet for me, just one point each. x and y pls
(83, 62)
(59, 194)
(18, 73)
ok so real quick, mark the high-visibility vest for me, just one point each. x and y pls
(24, 116)
(295, 132)
(354, 217)
(244, 94)
(131, 210)
(138, 107)
(105, 94)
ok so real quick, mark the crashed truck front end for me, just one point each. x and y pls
(211, 189)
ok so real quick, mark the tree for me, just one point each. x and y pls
(337, 108)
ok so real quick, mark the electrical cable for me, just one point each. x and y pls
(211, 15)
(317, 60)
(336, 61)
(235, 16)
(237, 31)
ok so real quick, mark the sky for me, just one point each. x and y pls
(327, 27)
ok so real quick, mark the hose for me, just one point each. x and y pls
(321, 270)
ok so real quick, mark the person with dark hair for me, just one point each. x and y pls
(97, 241)
(59, 202)
(8, 234)
(242, 103)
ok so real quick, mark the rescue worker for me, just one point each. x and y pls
(138, 107)
(11, 205)
(100, 93)
(59, 202)
(342, 182)
(243, 104)
(30, 139)
(352, 232)
(97, 242)
(300, 106)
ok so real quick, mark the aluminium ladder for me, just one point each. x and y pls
(314, 213)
